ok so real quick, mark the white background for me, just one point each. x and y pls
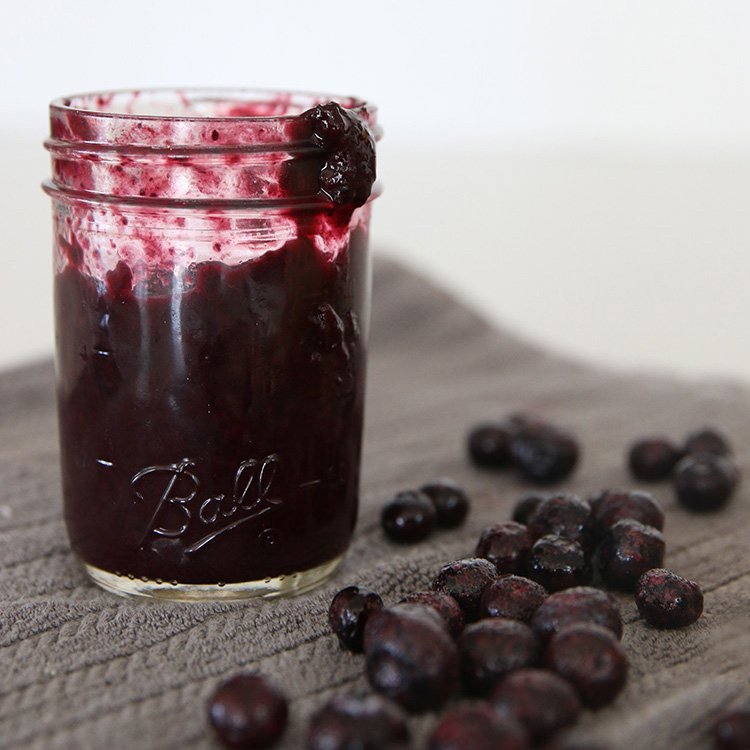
(575, 169)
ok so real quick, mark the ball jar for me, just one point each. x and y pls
(211, 283)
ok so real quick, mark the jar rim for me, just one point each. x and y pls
(97, 103)
(230, 147)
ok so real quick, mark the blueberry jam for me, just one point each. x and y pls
(204, 463)
(211, 356)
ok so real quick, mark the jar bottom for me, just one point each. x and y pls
(265, 588)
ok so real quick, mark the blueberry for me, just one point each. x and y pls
(580, 604)
(705, 482)
(409, 517)
(525, 508)
(627, 550)
(410, 658)
(506, 545)
(653, 459)
(558, 563)
(489, 445)
(666, 600)
(563, 515)
(707, 440)
(446, 606)
(465, 580)
(612, 506)
(422, 611)
(540, 700)
(348, 613)
(591, 659)
(512, 597)
(247, 711)
(370, 723)
(732, 730)
(543, 453)
(492, 648)
(476, 727)
(450, 501)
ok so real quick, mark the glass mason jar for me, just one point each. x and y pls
(211, 305)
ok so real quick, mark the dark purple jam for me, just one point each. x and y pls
(211, 433)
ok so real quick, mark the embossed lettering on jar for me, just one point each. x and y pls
(211, 295)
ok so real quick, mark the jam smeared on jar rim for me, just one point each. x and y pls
(119, 158)
(348, 174)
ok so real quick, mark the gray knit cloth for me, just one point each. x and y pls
(80, 668)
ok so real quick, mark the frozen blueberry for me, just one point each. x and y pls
(492, 648)
(627, 550)
(666, 600)
(732, 730)
(653, 459)
(612, 506)
(558, 563)
(409, 517)
(247, 711)
(705, 482)
(512, 597)
(580, 604)
(422, 611)
(346, 722)
(446, 606)
(410, 658)
(450, 501)
(543, 453)
(489, 445)
(465, 580)
(506, 545)
(707, 440)
(348, 613)
(591, 659)
(525, 508)
(476, 727)
(540, 700)
(563, 515)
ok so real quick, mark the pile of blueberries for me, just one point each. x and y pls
(518, 632)
(517, 628)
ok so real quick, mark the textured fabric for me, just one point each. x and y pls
(80, 668)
